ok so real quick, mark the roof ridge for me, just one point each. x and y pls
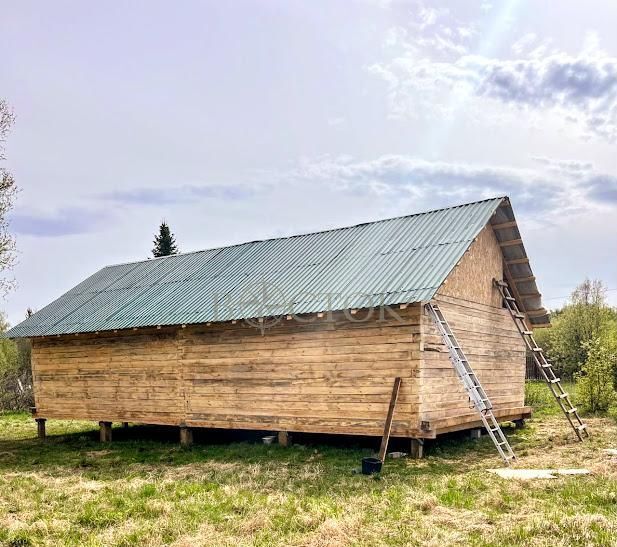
(350, 226)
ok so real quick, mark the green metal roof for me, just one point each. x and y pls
(400, 260)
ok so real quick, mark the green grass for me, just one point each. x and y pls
(541, 399)
(144, 489)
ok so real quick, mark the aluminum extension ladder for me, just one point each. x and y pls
(543, 364)
(477, 395)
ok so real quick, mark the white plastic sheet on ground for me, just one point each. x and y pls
(532, 474)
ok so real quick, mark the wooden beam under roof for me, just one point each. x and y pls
(502, 225)
(510, 242)
(536, 313)
(524, 279)
(517, 261)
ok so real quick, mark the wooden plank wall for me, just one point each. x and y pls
(131, 377)
(495, 351)
(320, 377)
(487, 334)
(332, 377)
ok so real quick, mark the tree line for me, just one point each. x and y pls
(15, 374)
(582, 345)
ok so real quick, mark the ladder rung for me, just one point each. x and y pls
(572, 410)
(555, 380)
(501, 283)
(519, 316)
(547, 365)
(536, 349)
(511, 298)
(562, 395)
(581, 427)
(528, 332)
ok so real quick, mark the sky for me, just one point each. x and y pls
(238, 121)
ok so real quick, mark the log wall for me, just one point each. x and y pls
(495, 351)
(133, 376)
(324, 376)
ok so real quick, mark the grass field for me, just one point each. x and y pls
(145, 490)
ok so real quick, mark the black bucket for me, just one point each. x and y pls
(371, 466)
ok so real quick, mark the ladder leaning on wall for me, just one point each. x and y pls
(544, 365)
(477, 395)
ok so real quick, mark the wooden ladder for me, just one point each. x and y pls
(543, 364)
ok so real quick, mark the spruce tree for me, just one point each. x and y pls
(164, 242)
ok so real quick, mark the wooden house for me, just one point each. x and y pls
(296, 334)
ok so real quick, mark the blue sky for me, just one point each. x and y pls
(246, 120)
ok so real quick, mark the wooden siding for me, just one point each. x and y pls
(122, 377)
(320, 376)
(495, 351)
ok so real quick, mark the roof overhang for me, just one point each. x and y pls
(517, 268)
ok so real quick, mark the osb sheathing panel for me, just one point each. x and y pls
(472, 278)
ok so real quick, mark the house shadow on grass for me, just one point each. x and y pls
(159, 445)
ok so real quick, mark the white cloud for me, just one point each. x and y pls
(570, 168)
(430, 72)
(545, 194)
(524, 43)
(585, 87)
(430, 30)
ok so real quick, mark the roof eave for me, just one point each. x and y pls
(517, 268)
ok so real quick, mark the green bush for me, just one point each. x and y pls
(586, 317)
(596, 387)
(15, 373)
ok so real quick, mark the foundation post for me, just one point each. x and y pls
(186, 436)
(416, 449)
(284, 438)
(105, 432)
(125, 425)
(40, 428)
(475, 434)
